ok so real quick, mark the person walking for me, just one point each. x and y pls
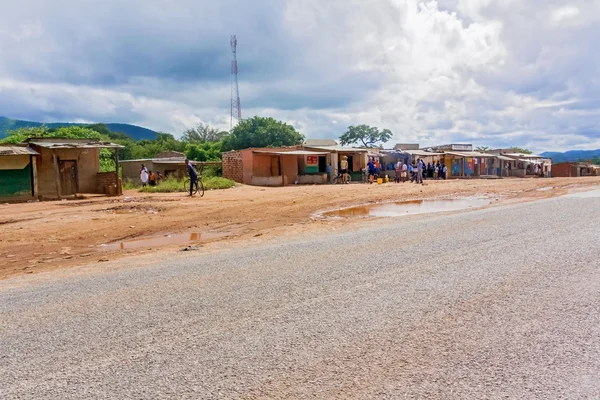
(193, 176)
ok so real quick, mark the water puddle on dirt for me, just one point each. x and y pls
(408, 208)
(164, 240)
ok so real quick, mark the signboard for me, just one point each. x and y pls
(462, 147)
(312, 160)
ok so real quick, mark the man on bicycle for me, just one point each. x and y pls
(193, 176)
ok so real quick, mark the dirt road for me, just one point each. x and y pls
(35, 237)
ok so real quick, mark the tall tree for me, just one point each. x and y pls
(366, 135)
(203, 133)
(261, 132)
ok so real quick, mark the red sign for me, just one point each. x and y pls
(312, 160)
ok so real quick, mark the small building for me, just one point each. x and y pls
(18, 180)
(169, 164)
(357, 157)
(574, 169)
(65, 167)
(522, 165)
(275, 166)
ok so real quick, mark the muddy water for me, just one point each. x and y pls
(408, 208)
(164, 240)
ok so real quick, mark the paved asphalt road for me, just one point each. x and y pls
(495, 303)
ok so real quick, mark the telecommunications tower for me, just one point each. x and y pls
(236, 106)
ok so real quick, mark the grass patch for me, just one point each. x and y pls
(172, 185)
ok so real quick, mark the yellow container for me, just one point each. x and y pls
(379, 181)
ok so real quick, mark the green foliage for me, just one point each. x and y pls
(261, 132)
(132, 131)
(172, 185)
(204, 151)
(596, 160)
(522, 150)
(203, 133)
(70, 132)
(368, 136)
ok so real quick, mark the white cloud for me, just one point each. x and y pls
(564, 13)
(491, 72)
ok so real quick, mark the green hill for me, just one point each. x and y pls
(133, 131)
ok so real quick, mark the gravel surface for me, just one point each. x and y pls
(496, 303)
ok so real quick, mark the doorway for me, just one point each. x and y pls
(275, 166)
(68, 177)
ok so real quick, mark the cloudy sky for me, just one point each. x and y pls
(487, 72)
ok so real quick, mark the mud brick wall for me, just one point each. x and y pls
(106, 179)
(233, 167)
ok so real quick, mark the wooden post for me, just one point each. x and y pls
(56, 173)
(117, 172)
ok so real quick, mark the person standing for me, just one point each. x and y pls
(144, 176)
(193, 176)
(344, 169)
(404, 172)
(420, 166)
(444, 171)
(371, 168)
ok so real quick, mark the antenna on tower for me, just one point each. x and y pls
(236, 106)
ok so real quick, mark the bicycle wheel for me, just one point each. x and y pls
(334, 180)
(200, 188)
(349, 179)
(186, 185)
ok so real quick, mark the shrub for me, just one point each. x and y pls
(172, 185)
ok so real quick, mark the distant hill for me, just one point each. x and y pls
(133, 131)
(571, 155)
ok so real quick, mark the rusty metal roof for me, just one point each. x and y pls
(10, 150)
(59, 143)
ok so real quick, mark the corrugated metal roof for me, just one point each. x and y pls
(335, 149)
(293, 152)
(10, 150)
(522, 155)
(422, 153)
(59, 143)
(160, 161)
(471, 154)
(320, 142)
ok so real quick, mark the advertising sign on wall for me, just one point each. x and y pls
(312, 160)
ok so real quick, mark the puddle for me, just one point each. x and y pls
(164, 240)
(408, 208)
(585, 195)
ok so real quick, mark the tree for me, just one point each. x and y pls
(203, 133)
(367, 135)
(262, 132)
(483, 148)
(522, 150)
(596, 160)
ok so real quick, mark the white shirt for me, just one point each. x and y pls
(144, 176)
(404, 167)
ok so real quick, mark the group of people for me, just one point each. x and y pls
(150, 178)
(420, 171)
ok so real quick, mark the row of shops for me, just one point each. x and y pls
(317, 160)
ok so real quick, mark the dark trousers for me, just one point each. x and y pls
(192, 183)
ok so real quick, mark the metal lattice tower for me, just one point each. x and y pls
(236, 106)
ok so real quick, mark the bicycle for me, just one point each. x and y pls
(340, 179)
(198, 187)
